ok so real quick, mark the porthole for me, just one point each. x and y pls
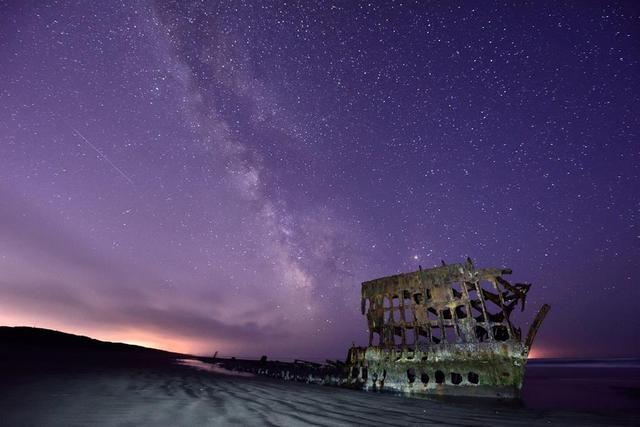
(411, 375)
(424, 378)
(456, 378)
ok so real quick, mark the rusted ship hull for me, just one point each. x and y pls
(484, 370)
(441, 332)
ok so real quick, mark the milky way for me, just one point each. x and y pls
(222, 176)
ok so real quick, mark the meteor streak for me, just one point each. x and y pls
(101, 154)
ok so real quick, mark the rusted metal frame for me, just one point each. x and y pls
(467, 303)
(395, 322)
(475, 303)
(453, 304)
(520, 290)
(507, 310)
(483, 273)
(492, 274)
(488, 295)
(424, 305)
(386, 337)
(427, 325)
(486, 322)
(494, 283)
(465, 293)
(403, 335)
(389, 324)
(370, 319)
(383, 326)
(369, 325)
(506, 298)
(379, 308)
(442, 328)
(537, 321)
(403, 320)
(416, 330)
(498, 299)
(454, 316)
(429, 329)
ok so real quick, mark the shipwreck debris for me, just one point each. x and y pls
(441, 331)
(445, 331)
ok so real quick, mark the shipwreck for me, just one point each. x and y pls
(443, 331)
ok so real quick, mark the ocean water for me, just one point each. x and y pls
(600, 385)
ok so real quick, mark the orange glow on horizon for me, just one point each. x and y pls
(135, 336)
(538, 352)
(149, 339)
(154, 339)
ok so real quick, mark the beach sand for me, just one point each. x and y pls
(168, 394)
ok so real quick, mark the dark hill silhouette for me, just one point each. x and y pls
(23, 344)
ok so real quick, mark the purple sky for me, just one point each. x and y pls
(223, 177)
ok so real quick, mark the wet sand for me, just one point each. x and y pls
(162, 394)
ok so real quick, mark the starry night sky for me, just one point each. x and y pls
(205, 176)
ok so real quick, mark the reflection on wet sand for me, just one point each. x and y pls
(175, 394)
(210, 367)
